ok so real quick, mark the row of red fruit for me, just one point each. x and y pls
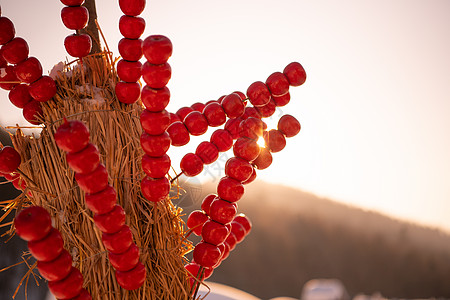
(9, 163)
(22, 75)
(129, 68)
(75, 17)
(54, 263)
(101, 198)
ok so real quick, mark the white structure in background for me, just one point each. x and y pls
(324, 289)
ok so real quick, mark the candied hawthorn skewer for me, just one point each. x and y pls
(101, 198)
(75, 17)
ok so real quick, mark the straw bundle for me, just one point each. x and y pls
(115, 129)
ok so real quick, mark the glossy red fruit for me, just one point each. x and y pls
(251, 111)
(198, 106)
(131, 27)
(7, 31)
(194, 271)
(9, 159)
(127, 92)
(156, 76)
(19, 183)
(231, 241)
(246, 149)
(93, 182)
(207, 152)
(68, 287)
(72, 136)
(281, 100)
(112, 221)
(155, 99)
(119, 241)
(132, 279)
(239, 231)
(78, 45)
(33, 223)
(155, 145)
(103, 201)
(84, 161)
(295, 74)
(222, 139)
(206, 255)
(125, 261)
(233, 105)
(84, 295)
(267, 110)
(206, 203)
(196, 123)
(132, 7)
(275, 140)
(174, 118)
(155, 189)
(214, 114)
(130, 50)
(183, 112)
(251, 178)
(15, 51)
(155, 123)
(230, 189)
(244, 221)
(226, 252)
(191, 164)
(3, 62)
(48, 248)
(156, 167)
(232, 126)
(8, 78)
(251, 128)
(222, 211)
(56, 269)
(238, 168)
(241, 95)
(289, 125)
(32, 112)
(196, 220)
(74, 17)
(129, 71)
(258, 94)
(179, 135)
(278, 84)
(43, 89)
(29, 70)
(72, 2)
(264, 159)
(157, 49)
(214, 232)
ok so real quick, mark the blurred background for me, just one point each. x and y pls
(374, 114)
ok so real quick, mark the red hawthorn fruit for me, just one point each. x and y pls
(289, 126)
(222, 211)
(225, 252)
(84, 161)
(93, 182)
(48, 248)
(196, 220)
(155, 123)
(8, 78)
(251, 128)
(251, 178)
(244, 221)
(15, 51)
(196, 123)
(207, 152)
(206, 255)
(130, 50)
(232, 126)
(7, 31)
(3, 62)
(43, 89)
(56, 269)
(295, 74)
(19, 183)
(281, 100)
(206, 203)
(230, 189)
(233, 105)
(214, 233)
(179, 135)
(183, 112)
(72, 2)
(278, 84)
(84, 295)
(155, 99)
(112, 221)
(155, 145)
(119, 241)
(74, 17)
(9, 159)
(222, 139)
(231, 241)
(129, 71)
(33, 223)
(238, 168)
(72, 136)
(157, 49)
(68, 287)
(32, 112)
(156, 167)
(241, 95)
(78, 45)
(29, 70)
(258, 94)
(103, 201)
(155, 189)
(264, 159)
(238, 230)
(194, 269)
(132, 7)
(275, 140)
(246, 149)
(191, 164)
(131, 27)
(125, 261)
(198, 106)
(251, 111)
(132, 279)
(127, 92)
(214, 114)
(268, 109)
(156, 76)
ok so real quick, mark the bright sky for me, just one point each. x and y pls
(374, 109)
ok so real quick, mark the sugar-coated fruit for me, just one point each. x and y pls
(155, 99)
(267, 110)
(84, 161)
(251, 178)
(195, 221)
(78, 45)
(245, 148)
(9, 159)
(278, 84)
(191, 164)
(119, 241)
(230, 189)
(43, 89)
(157, 49)
(214, 114)
(155, 145)
(264, 159)
(198, 106)
(48, 248)
(207, 152)
(56, 269)
(103, 201)
(244, 221)
(196, 123)
(75, 17)
(29, 70)
(83, 295)
(8, 78)
(222, 139)
(274, 140)
(131, 27)
(69, 287)
(130, 49)
(206, 203)
(112, 221)
(15, 51)
(251, 111)
(179, 135)
(222, 211)
(295, 73)
(232, 126)
(281, 100)
(182, 112)
(72, 136)
(132, 7)
(32, 112)
(156, 76)
(155, 123)
(33, 223)
(7, 31)
(174, 118)
(238, 230)
(251, 128)
(132, 279)
(233, 105)
(155, 189)
(127, 92)
(194, 271)
(214, 233)
(206, 255)
(231, 241)
(258, 94)
(72, 2)
(125, 261)
(129, 71)
(156, 167)
(289, 126)
(238, 168)
(93, 182)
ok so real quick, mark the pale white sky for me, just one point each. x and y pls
(374, 109)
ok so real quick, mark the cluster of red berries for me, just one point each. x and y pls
(54, 263)
(22, 75)
(101, 198)
(9, 163)
(131, 26)
(75, 17)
